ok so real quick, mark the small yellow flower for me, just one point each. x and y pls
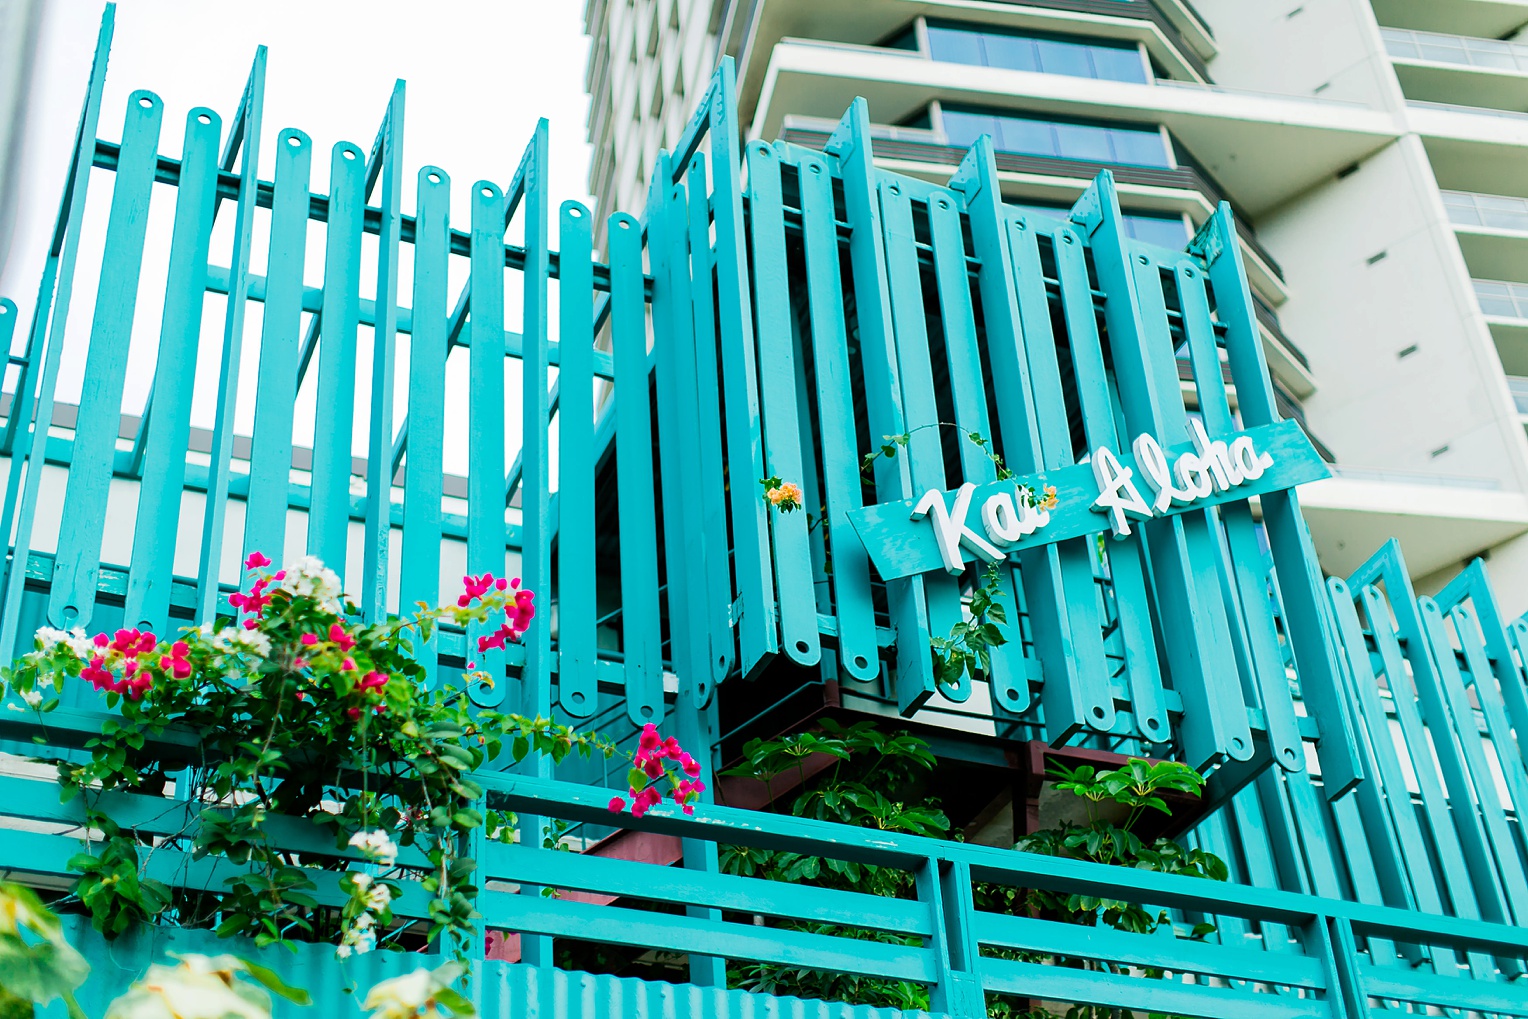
(784, 496)
(1049, 502)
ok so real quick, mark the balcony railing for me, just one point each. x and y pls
(924, 145)
(1498, 212)
(1484, 54)
(1502, 298)
(1518, 387)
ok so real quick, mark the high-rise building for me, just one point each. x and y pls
(1375, 155)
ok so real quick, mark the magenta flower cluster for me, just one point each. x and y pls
(519, 612)
(650, 763)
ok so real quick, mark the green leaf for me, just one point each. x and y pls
(271, 982)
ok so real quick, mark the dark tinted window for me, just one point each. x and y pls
(1064, 139)
(1051, 54)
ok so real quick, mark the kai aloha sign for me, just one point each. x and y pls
(946, 530)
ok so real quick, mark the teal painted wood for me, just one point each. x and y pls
(485, 418)
(71, 602)
(1394, 836)
(701, 366)
(1244, 570)
(853, 605)
(1124, 556)
(1194, 646)
(245, 135)
(780, 416)
(62, 256)
(1495, 864)
(756, 629)
(1086, 699)
(577, 689)
(1305, 608)
(535, 419)
(916, 400)
(1009, 671)
(684, 512)
(147, 605)
(419, 572)
(850, 147)
(1506, 702)
(270, 458)
(335, 413)
(641, 638)
(386, 160)
(1499, 728)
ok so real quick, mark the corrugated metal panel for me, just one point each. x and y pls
(503, 989)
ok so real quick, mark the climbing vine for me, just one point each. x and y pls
(292, 710)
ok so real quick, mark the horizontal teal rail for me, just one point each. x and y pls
(1327, 967)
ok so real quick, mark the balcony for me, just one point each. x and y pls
(1459, 70)
(1493, 233)
(1484, 19)
(1263, 148)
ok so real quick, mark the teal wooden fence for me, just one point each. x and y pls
(775, 311)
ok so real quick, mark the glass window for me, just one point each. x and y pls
(1163, 231)
(1076, 56)
(955, 45)
(1068, 139)
(1084, 141)
(1013, 52)
(1061, 56)
(1138, 147)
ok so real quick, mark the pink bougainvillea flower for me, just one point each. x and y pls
(353, 713)
(96, 673)
(339, 636)
(649, 740)
(348, 665)
(250, 624)
(176, 662)
(690, 766)
(255, 561)
(309, 639)
(617, 804)
(372, 680)
(476, 587)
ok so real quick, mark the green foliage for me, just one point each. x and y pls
(298, 714)
(1134, 788)
(875, 781)
(36, 963)
(968, 647)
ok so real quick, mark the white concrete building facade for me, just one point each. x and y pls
(1375, 153)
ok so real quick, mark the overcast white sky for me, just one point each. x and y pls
(479, 75)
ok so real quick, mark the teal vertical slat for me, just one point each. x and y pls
(793, 577)
(1009, 675)
(641, 640)
(1504, 741)
(1124, 556)
(757, 638)
(672, 323)
(535, 697)
(388, 150)
(246, 129)
(164, 470)
(850, 147)
(270, 457)
(535, 510)
(1089, 695)
(1394, 837)
(919, 405)
(1474, 802)
(853, 607)
(1070, 706)
(329, 513)
(702, 373)
(419, 573)
(62, 254)
(578, 692)
(71, 602)
(1194, 633)
(486, 530)
(1305, 607)
(1245, 572)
